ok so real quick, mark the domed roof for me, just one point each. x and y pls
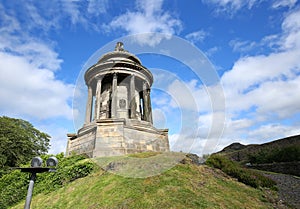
(120, 54)
(119, 61)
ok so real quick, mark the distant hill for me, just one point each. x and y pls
(282, 155)
(185, 184)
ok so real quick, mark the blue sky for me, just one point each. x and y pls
(252, 48)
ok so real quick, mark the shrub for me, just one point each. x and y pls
(14, 185)
(244, 175)
(79, 170)
(285, 154)
(13, 188)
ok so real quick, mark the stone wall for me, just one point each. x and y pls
(84, 144)
(141, 140)
(109, 138)
(112, 137)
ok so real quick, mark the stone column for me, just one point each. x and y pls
(88, 113)
(98, 99)
(149, 107)
(132, 102)
(140, 101)
(114, 96)
(145, 102)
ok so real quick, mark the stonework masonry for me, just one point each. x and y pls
(118, 117)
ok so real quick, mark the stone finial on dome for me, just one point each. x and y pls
(119, 46)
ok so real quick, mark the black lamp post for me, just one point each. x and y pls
(36, 167)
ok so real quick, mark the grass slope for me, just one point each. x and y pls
(186, 185)
(281, 150)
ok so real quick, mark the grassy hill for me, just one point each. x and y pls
(282, 155)
(286, 150)
(169, 180)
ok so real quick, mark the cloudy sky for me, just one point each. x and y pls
(252, 47)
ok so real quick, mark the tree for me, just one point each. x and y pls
(20, 141)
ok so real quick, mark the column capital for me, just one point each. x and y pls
(89, 82)
(99, 77)
(146, 85)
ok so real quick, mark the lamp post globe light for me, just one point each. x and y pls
(36, 162)
(51, 162)
(36, 167)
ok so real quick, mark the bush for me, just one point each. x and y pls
(285, 154)
(13, 188)
(14, 185)
(244, 175)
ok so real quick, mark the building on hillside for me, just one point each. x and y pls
(118, 117)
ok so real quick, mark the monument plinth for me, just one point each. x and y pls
(118, 117)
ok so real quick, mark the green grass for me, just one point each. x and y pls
(235, 170)
(140, 165)
(144, 154)
(181, 186)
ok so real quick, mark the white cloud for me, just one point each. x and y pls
(72, 9)
(182, 142)
(197, 36)
(9, 24)
(58, 135)
(29, 87)
(291, 30)
(182, 96)
(272, 131)
(97, 7)
(212, 51)
(201, 128)
(268, 82)
(191, 95)
(160, 118)
(277, 97)
(284, 3)
(149, 18)
(231, 5)
(28, 84)
(38, 19)
(271, 41)
(261, 91)
(31, 91)
(39, 54)
(80, 13)
(249, 72)
(201, 140)
(207, 139)
(46, 16)
(257, 135)
(246, 131)
(242, 46)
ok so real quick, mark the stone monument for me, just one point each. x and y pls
(118, 118)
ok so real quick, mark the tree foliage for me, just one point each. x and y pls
(14, 185)
(20, 141)
(284, 154)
